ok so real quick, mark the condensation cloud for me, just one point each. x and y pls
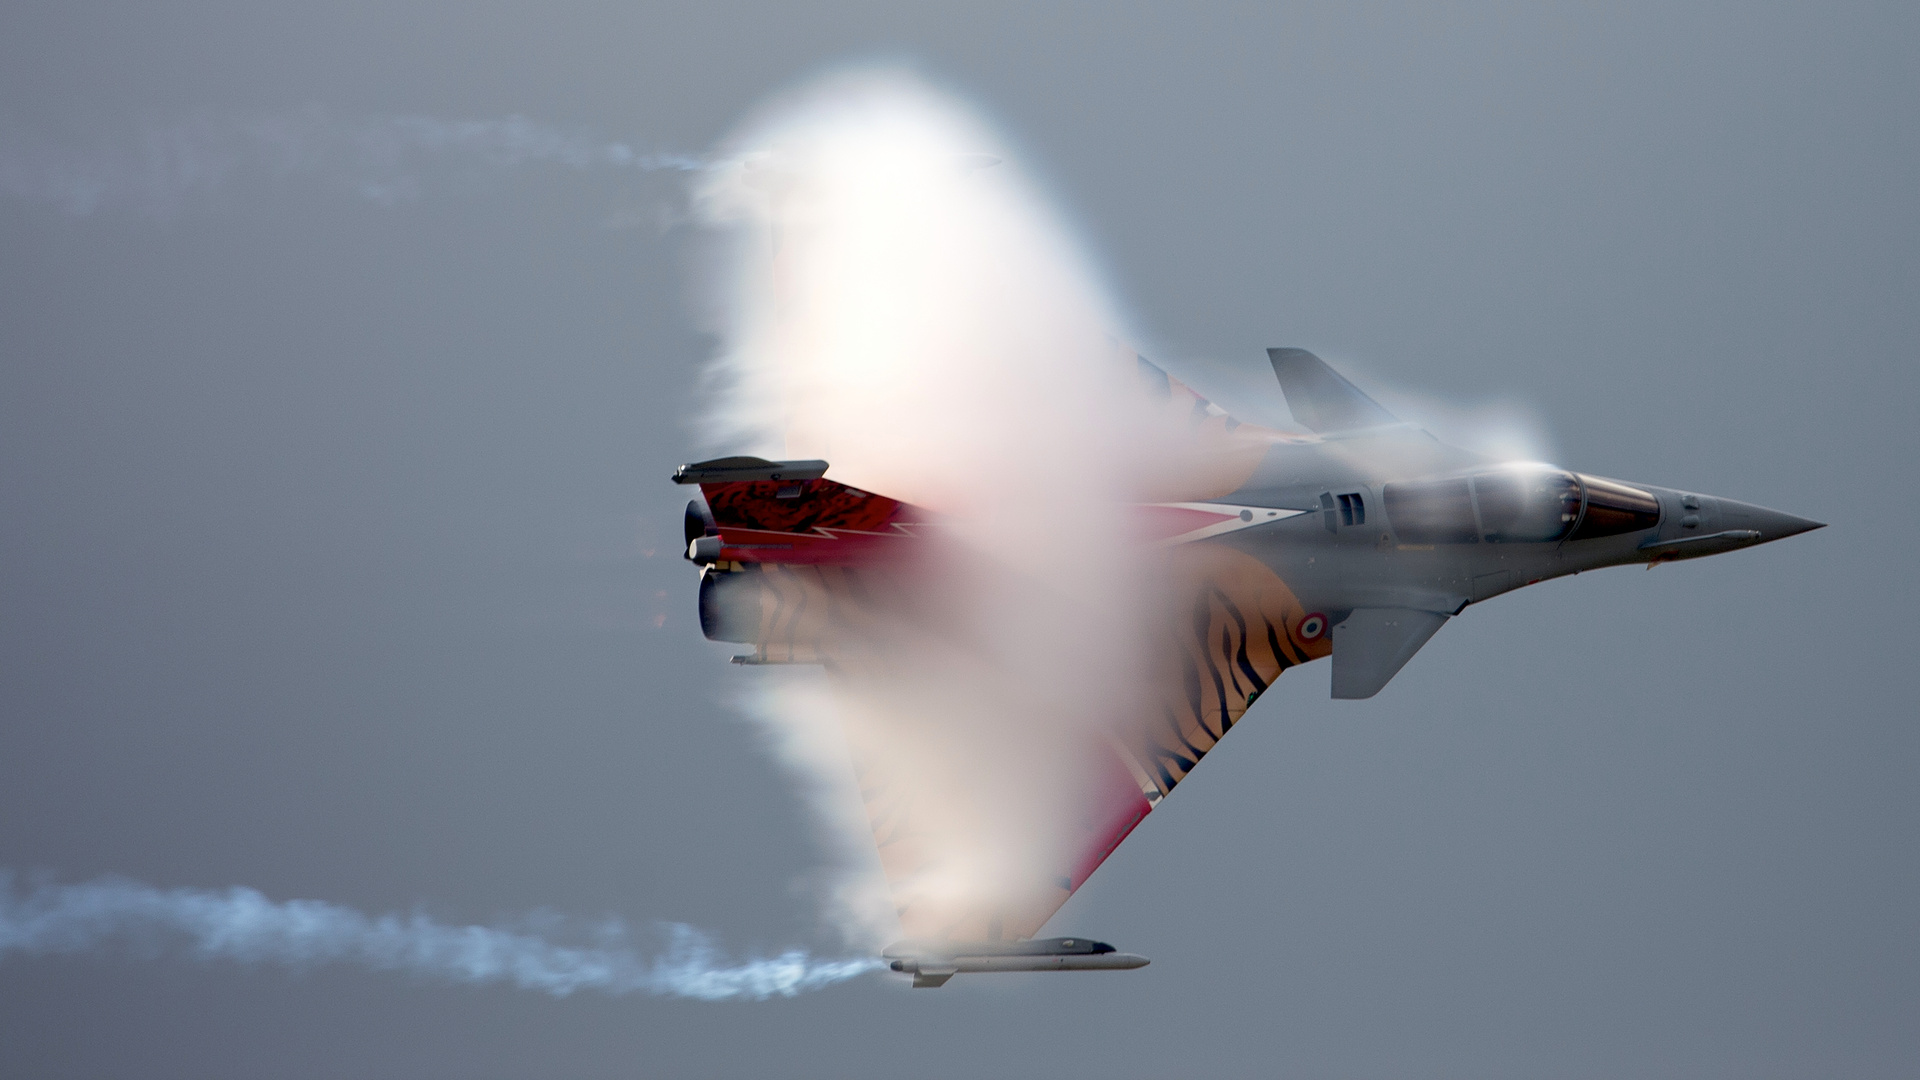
(901, 301)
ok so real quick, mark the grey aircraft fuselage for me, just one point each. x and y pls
(1403, 531)
(1375, 526)
(1359, 541)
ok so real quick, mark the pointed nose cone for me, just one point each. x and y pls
(1713, 526)
(1770, 524)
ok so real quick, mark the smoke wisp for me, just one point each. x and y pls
(163, 167)
(242, 926)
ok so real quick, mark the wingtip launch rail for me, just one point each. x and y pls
(932, 963)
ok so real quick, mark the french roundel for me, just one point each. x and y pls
(1312, 628)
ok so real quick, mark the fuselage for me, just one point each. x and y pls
(1396, 519)
(1266, 549)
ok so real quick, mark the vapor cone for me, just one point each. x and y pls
(903, 304)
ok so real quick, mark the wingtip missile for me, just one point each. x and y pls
(728, 470)
(932, 963)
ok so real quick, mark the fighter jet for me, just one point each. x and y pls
(1357, 539)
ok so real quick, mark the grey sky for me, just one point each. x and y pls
(325, 521)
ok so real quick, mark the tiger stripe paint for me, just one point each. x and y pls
(1233, 633)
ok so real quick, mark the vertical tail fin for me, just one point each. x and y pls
(1319, 397)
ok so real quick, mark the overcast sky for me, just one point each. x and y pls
(339, 561)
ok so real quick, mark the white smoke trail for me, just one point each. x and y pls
(905, 305)
(242, 926)
(163, 166)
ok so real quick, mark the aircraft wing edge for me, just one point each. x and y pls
(1371, 645)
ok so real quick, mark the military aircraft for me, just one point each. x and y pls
(1358, 540)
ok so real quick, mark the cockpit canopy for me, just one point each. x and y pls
(1516, 505)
